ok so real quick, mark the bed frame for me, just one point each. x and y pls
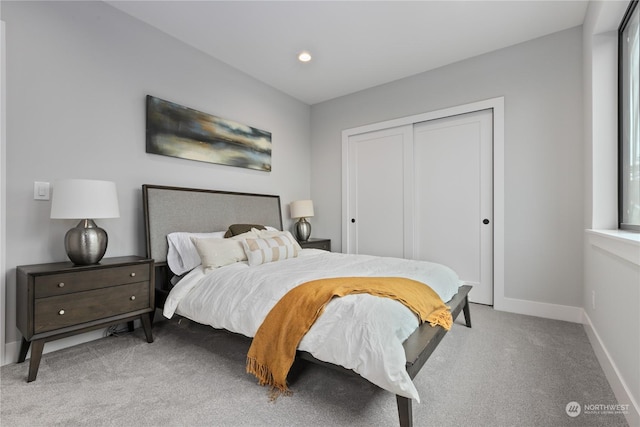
(168, 209)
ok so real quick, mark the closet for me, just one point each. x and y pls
(424, 190)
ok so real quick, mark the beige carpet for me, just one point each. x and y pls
(508, 370)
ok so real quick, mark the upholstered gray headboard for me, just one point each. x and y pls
(169, 209)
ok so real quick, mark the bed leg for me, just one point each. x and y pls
(467, 312)
(405, 412)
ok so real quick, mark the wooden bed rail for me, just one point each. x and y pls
(421, 344)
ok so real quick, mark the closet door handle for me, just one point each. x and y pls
(485, 221)
(353, 220)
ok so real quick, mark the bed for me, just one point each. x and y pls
(171, 211)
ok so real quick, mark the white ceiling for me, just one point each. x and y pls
(355, 44)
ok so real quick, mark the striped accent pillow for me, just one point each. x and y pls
(276, 248)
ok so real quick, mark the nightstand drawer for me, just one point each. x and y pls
(67, 310)
(324, 244)
(65, 283)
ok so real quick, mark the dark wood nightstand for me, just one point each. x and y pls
(61, 299)
(313, 243)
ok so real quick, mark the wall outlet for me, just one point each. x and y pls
(593, 300)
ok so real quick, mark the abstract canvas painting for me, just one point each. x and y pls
(177, 131)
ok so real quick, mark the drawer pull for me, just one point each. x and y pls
(61, 312)
(132, 298)
(61, 285)
(132, 274)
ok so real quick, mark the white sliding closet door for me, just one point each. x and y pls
(425, 191)
(378, 169)
(453, 197)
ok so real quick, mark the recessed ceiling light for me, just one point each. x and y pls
(304, 56)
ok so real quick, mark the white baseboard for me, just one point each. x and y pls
(540, 309)
(618, 385)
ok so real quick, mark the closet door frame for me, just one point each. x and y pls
(495, 104)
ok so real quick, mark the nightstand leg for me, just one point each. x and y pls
(36, 355)
(146, 324)
(24, 348)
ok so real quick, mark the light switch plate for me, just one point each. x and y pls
(41, 190)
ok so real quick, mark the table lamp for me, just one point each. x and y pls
(302, 209)
(86, 200)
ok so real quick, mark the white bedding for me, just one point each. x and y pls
(359, 332)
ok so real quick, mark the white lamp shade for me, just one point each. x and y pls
(302, 209)
(84, 199)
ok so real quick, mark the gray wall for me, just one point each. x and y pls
(611, 260)
(541, 81)
(77, 76)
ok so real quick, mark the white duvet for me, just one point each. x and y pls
(359, 332)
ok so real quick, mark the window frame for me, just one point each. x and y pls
(631, 9)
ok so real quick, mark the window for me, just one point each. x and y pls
(629, 119)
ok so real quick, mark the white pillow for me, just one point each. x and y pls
(216, 253)
(182, 255)
(277, 248)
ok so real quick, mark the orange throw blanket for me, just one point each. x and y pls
(273, 349)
